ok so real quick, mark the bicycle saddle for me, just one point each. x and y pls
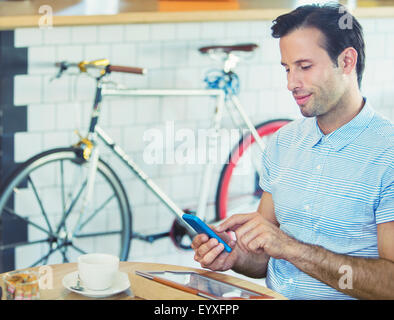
(247, 47)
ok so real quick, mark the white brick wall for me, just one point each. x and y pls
(169, 51)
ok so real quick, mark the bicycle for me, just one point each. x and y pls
(87, 188)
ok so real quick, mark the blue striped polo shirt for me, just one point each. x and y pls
(329, 190)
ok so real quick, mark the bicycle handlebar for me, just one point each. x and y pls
(136, 70)
(100, 65)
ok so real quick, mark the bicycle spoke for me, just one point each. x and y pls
(40, 203)
(97, 234)
(12, 212)
(62, 187)
(65, 259)
(21, 244)
(62, 222)
(44, 258)
(78, 249)
(79, 228)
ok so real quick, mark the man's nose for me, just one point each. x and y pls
(293, 81)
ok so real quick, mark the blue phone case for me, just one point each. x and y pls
(201, 227)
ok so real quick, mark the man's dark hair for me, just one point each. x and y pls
(340, 28)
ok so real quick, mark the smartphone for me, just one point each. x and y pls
(201, 227)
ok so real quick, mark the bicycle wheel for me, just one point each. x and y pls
(238, 189)
(45, 197)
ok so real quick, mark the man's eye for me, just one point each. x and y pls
(287, 70)
(305, 67)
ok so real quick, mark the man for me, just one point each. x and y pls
(324, 228)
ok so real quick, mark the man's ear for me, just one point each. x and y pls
(347, 60)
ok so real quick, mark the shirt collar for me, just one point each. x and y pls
(345, 134)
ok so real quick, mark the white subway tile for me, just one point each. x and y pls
(371, 73)
(164, 218)
(188, 31)
(389, 46)
(175, 54)
(27, 144)
(238, 30)
(278, 76)
(110, 33)
(57, 90)
(147, 110)
(387, 96)
(161, 78)
(173, 108)
(267, 100)
(41, 60)
(213, 30)
(189, 78)
(121, 112)
(137, 32)
(68, 116)
(71, 53)
(259, 77)
(184, 188)
(149, 55)
(375, 46)
(136, 193)
(57, 35)
(41, 117)
(200, 108)
(260, 29)
(26, 204)
(123, 54)
(385, 73)
(82, 89)
(286, 103)
(27, 37)
(97, 51)
(385, 25)
(55, 139)
(163, 31)
(133, 138)
(27, 89)
(368, 25)
(250, 101)
(84, 34)
(145, 217)
(270, 51)
(374, 97)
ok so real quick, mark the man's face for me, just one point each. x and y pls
(315, 82)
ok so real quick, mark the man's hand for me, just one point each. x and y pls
(210, 253)
(256, 234)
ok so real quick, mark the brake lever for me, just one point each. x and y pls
(62, 67)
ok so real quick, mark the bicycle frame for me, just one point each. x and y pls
(95, 131)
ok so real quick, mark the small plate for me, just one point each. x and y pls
(120, 284)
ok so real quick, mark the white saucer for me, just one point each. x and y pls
(120, 284)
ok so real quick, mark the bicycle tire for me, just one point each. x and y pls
(224, 193)
(46, 178)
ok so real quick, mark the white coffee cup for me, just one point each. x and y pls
(97, 271)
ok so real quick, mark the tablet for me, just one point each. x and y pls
(201, 285)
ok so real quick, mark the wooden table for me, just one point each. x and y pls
(20, 14)
(141, 288)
